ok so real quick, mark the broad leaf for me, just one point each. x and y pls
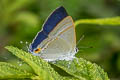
(8, 71)
(79, 69)
(82, 69)
(40, 67)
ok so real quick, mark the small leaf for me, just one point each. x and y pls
(82, 69)
(8, 71)
(40, 67)
(103, 21)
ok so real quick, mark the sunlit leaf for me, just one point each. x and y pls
(8, 71)
(83, 69)
(40, 67)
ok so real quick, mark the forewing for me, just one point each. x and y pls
(51, 22)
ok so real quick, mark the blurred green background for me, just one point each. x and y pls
(20, 20)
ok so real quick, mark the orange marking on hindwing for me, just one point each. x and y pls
(37, 50)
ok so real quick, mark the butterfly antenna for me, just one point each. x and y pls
(80, 40)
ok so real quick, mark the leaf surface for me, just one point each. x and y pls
(82, 69)
(8, 71)
(40, 67)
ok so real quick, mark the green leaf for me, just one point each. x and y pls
(102, 21)
(40, 67)
(79, 69)
(8, 71)
(82, 69)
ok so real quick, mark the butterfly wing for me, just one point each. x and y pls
(58, 15)
(57, 38)
(64, 43)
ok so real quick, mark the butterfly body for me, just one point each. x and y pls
(57, 39)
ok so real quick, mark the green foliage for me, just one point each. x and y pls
(20, 20)
(107, 44)
(8, 71)
(83, 69)
(77, 69)
(40, 67)
(104, 21)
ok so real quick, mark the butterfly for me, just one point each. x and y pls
(57, 39)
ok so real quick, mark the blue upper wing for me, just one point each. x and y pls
(58, 15)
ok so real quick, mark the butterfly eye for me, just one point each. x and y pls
(37, 50)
